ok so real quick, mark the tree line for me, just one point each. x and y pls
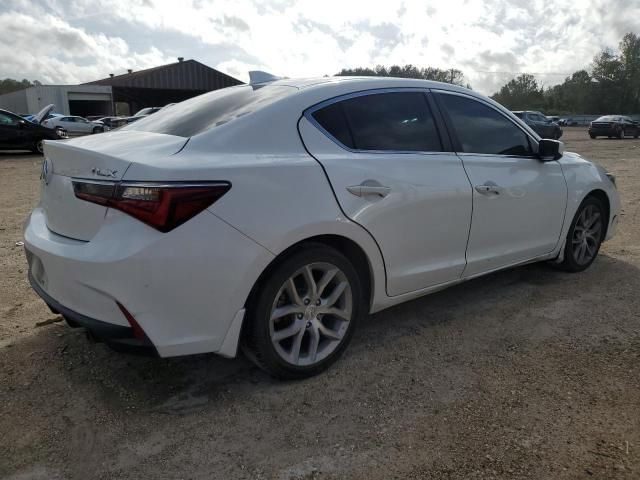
(611, 84)
(452, 75)
(9, 85)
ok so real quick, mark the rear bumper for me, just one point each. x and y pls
(115, 335)
(609, 132)
(186, 289)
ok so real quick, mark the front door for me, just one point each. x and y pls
(383, 155)
(518, 201)
(12, 134)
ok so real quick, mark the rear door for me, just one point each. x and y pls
(391, 172)
(518, 200)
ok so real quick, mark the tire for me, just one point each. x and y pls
(38, 147)
(573, 262)
(97, 130)
(283, 345)
(593, 136)
(621, 134)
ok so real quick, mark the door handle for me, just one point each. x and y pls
(362, 190)
(488, 189)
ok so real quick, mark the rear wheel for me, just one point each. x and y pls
(585, 236)
(304, 314)
(592, 135)
(621, 133)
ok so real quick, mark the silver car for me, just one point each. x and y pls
(75, 125)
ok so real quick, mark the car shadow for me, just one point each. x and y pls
(486, 306)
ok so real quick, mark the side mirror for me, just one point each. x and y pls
(550, 150)
(22, 123)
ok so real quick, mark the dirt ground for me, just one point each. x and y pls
(529, 373)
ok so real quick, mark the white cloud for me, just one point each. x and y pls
(81, 40)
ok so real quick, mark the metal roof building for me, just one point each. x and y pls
(158, 86)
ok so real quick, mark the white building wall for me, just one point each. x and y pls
(34, 99)
(15, 102)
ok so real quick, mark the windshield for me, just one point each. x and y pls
(210, 110)
(519, 114)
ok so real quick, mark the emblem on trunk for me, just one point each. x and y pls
(47, 170)
(104, 172)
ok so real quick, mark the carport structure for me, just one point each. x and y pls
(158, 86)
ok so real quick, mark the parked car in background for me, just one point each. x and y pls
(16, 133)
(568, 122)
(275, 218)
(112, 122)
(540, 124)
(611, 126)
(147, 111)
(553, 118)
(75, 125)
(51, 115)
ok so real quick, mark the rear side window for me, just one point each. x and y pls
(481, 129)
(210, 110)
(395, 121)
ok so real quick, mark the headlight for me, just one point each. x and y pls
(612, 178)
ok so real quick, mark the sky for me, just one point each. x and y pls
(73, 41)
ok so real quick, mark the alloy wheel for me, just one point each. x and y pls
(39, 146)
(587, 235)
(310, 314)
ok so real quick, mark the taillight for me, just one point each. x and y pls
(164, 206)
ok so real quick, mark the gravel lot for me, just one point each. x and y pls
(528, 373)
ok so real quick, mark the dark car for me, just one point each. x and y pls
(540, 124)
(16, 133)
(614, 126)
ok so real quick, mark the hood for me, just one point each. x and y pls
(42, 114)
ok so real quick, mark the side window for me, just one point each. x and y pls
(394, 121)
(481, 129)
(7, 120)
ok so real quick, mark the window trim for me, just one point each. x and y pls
(457, 146)
(438, 121)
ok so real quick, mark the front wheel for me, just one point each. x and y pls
(592, 135)
(38, 147)
(304, 314)
(97, 130)
(585, 236)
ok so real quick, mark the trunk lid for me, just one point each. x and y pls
(95, 158)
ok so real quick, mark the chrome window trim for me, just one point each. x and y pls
(308, 114)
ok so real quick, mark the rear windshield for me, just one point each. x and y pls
(210, 110)
(607, 118)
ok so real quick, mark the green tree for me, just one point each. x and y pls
(408, 71)
(521, 93)
(11, 85)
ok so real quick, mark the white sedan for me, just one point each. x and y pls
(274, 216)
(74, 125)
